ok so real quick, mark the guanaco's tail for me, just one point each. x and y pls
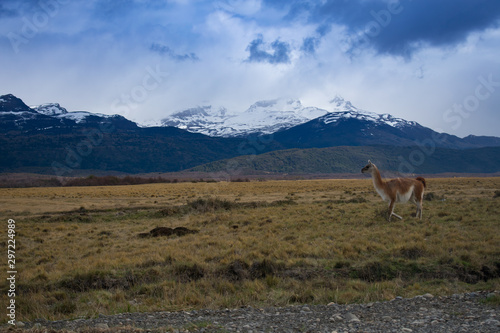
(422, 179)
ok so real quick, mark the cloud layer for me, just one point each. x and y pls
(415, 59)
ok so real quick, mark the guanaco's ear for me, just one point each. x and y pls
(370, 162)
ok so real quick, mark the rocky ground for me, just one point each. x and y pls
(469, 312)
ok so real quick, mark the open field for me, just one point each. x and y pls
(269, 243)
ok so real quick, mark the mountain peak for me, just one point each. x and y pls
(10, 103)
(201, 111)
(340, 104)
(262, 117)
(378, 119)
(279, 104)
(50, 109)
(343, 110)
(200, 119)
(196, 111)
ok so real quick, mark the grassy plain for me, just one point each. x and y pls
(269, 243)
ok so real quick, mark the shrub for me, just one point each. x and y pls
(65, 307)
(375, 271)
(431, 196)
(412, 252)
(97, 279)
(235, 271)
(209, 205)
(261, 269)
(189, 272)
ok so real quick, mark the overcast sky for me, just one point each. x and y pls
(432, 61)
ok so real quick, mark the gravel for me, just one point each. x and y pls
(457, 313)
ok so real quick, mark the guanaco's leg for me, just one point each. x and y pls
(419, 209)
(391, 211)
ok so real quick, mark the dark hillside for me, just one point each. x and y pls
(351, 159)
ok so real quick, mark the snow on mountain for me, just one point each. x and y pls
(50, 109)
(339, 104)
(15, 115)
(367, 116)
(263, 117)
(81, 116)
(343, 109)
(206, 119)
(57, 111)
(271, 116)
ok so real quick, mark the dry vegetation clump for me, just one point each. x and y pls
(257, 243)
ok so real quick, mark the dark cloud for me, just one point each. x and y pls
(6, 12)
(310, 44)
(166, 51)
(398, 27)
(276, 53)
(437, 23)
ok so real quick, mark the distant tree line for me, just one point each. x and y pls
(133, 180)
(114, 180)
(99, 181)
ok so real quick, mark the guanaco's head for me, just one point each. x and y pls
(368, 168)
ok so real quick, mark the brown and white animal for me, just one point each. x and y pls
(397, 190)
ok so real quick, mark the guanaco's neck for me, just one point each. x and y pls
(377, 179)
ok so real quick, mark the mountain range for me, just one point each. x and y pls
(263, 117)
(17, 117)
(296, 126)
(50, 139)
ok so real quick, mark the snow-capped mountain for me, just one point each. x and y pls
(10, 103)
(15, 115)
(34, 138)
(347, 125)
(368, 116)
(206, 119)
(294, 125)
(343, 109)
(339, 104)
(267, 117)
(50, 109)
(271, 116)
(56, 110)
(263, 117)
(80, 117)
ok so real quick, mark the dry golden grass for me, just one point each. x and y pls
(259, 243)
